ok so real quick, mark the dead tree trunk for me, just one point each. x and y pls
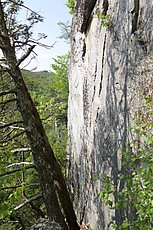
(50, 175)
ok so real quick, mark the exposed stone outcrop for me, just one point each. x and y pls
(44, 224)
(111, 67)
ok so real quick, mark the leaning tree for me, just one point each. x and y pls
(14, 38)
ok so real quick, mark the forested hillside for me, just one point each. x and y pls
(49, 91)
(38, 82)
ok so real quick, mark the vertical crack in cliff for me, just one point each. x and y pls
(105, 7)
(85, 102)
(135, 13)
(84, 9)
(85, 204)
(83, 49)
(95, 74)
(102, 67)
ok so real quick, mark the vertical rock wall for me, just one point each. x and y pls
(111, 67)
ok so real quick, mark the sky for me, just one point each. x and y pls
(53, 12)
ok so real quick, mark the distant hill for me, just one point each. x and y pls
(38, 82)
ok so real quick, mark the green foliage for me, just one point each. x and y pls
(38, 82)
(105, 19)
(50, 94)
(59, 74)
(137, 176)
(59, 87)
(71, 5)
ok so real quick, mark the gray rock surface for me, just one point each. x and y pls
(44, 224)
(111, 67)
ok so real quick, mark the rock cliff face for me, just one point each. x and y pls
(44, 224)
(111, 68)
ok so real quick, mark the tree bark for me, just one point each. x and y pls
(50, 175)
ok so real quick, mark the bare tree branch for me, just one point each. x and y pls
(20, 186)
(35, 208)
(11, 138)
(6, 134)
(25, 55)
(11, 125)
(7, 92)
(26, 7)
(20, 163)
(42, 44)
(27, 201)
(21, 150)
(16, 170)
